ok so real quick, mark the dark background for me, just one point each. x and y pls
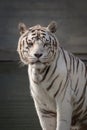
(16, 105)
(71, 16)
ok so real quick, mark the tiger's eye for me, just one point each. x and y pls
(27, 47)
(46, 44)
(30, 44)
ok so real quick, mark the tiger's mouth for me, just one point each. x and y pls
(38, 62)
(35, 62)
(38, 65)
(44, 61)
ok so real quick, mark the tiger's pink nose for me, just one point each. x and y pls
(38, 55)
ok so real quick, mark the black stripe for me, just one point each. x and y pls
(65, 82)
(33, 30)
(85, 116)
(54, 67)
(23, 43)
(83, 94)
(65, 89)
(24, 58)
(65, 86)
(48, 88)
(77, 92)
(42, 30)
(47, 41)
(79, 106)
(48, 113)
(33, 34)
(50, 39)
(73, 64)
(85, 110)
(36, 82)
(20, 46)
(55, 41)
(46, 116)
(77, 65)
(25, 35)
(43, 34)
(28, 41)
(70, 62)
(82, 67)
(64, 57)
(43, 37)
(55, 44)
(78, 114)
(85, 71)
(76, 85)
(58, 89)
(83, 119)
(76, 117)
(46, 72)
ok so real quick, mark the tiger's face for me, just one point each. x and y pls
(37, 45)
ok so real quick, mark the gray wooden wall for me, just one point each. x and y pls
(71, 16)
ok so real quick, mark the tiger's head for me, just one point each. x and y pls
(37, 45)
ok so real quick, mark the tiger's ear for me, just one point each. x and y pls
(52, 27)
(22, 28)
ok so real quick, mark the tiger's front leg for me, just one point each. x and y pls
(64, 112)
(47, 118)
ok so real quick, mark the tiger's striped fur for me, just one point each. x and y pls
(58, 79)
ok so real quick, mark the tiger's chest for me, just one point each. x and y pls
(44, 99)
(52, 86)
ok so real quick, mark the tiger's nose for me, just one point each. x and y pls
(38, 55)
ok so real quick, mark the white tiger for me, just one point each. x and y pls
(58, 80)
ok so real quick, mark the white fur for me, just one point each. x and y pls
(55, 105)
(62, 104)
